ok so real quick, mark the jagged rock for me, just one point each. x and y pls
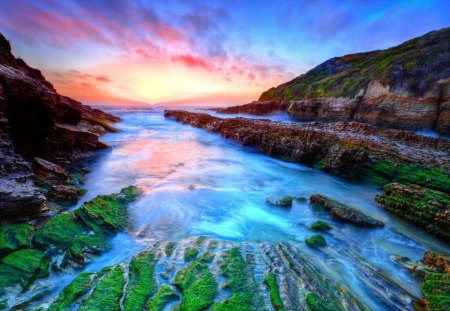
(36, 122)
(50, 172)
(437, 262)
(65, 193)
(424, 207)
(345, 213)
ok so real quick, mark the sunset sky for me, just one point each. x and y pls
(194, 52)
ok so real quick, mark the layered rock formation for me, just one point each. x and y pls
(224, 275)
(405, 87)
(39, 130)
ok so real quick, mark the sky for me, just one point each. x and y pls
(200, 52)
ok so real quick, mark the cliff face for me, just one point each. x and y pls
(406, 87)
(37, 122)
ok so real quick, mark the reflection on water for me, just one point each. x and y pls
(197, 183)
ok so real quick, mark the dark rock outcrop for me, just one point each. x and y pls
(38, 123)
(404, 87)
(345, 213)
(255, 108)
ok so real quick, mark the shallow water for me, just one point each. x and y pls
(197, 183)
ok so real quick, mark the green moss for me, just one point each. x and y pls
(107, 293)
(206, 257)
(10, 276)
(31, 261)
(315, 304)
(58, 232)
(87, 243)
(142, 282)
(239, 280)
(200, 294)
(164, 295)
(320, 165)
(70, 295)
(13, 237)
(274, 291)
(285, 201)
(316, 240)
(382, 172)
(436, 291)
(190, 253)
(320, 226)
(77, 178)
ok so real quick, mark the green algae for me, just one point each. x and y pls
(58, 232)
(107, 293)
(70, 295)
(274, 292)
(316, 304)
(316, 241)
(238, 281)
(436, 291)
(142, 282)
(165, 295)
(31, 261)
(285, 201)
(382, 172)
(13, 237)
(320, 225)
(206, 257)
(190, 253)
(87, 243)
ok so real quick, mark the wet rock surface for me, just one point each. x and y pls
(255, 108)
(223, 276)
(345, 213)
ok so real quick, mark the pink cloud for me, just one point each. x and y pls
(103, 79)
(192, 61)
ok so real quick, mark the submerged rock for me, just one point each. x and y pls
(320, 225)
(284, 201)
(424, 207)
(345, 213)
(65, 193)
(316, 241)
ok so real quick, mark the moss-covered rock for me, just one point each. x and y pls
(13, 237)
(345, 213)
(285, 201)
(316, 304)
(271, 281)
(424, 207)
(190, 253)
(436, 291)
(142, 283)
(316, 240)
(239, 280)
(70, 295)
(107, 293)
(85, 244)
(31, 261)
(320, 225)
(165, 295)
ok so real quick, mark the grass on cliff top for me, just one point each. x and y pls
(416, 64)
(142, 283)
(382, 172)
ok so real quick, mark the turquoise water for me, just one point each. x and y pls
(197, 183)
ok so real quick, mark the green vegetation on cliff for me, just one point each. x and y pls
(415, 65)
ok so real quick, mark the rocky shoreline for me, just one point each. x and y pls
(41, 132)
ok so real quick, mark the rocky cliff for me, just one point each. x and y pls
(406, 87)
(40, 130)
